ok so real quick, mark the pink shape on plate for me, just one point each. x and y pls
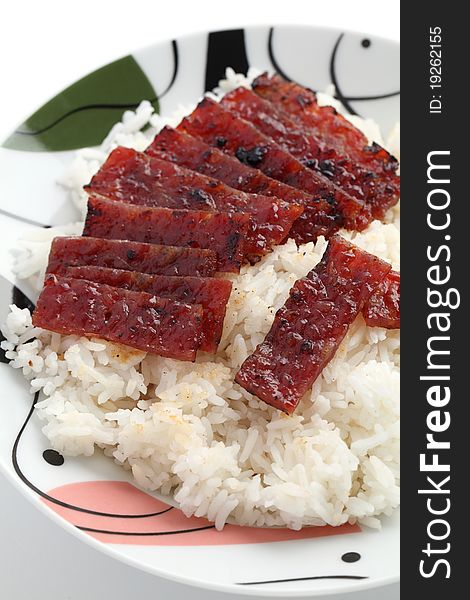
(170, 528)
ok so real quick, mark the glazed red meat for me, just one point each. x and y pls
(157, 325)
(212, 294)
(302, 143)
(133, 177)
(310, 326)
(222, 232)
(188, 151)
(339, 133)
(221, 128)
(132, 256)
(383, 307)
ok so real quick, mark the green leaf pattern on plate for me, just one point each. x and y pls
(83, 113)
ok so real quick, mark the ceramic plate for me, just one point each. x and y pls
(93, 498)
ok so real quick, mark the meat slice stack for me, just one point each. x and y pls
(303, 143)
(136, 319)
(130, 176)
(221, 232)
(338, 133)
(187, 151)
(131, 256)
(232, 181)
(220, 127)
(128, 273)
(310, 326)
(212, 294)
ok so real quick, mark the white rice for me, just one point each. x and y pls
(187, 429)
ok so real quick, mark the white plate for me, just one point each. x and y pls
(92, 497)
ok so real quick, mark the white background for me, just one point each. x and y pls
(44, 46)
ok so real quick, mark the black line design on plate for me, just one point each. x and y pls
(78, 109)
(224, 48)
(105, 106)
(272, 58)
(345, 100)
(22, 219)
(146, 533)
(25, 480)
(174, 47)
(338, 95)
(303, 579)
(377, 97)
